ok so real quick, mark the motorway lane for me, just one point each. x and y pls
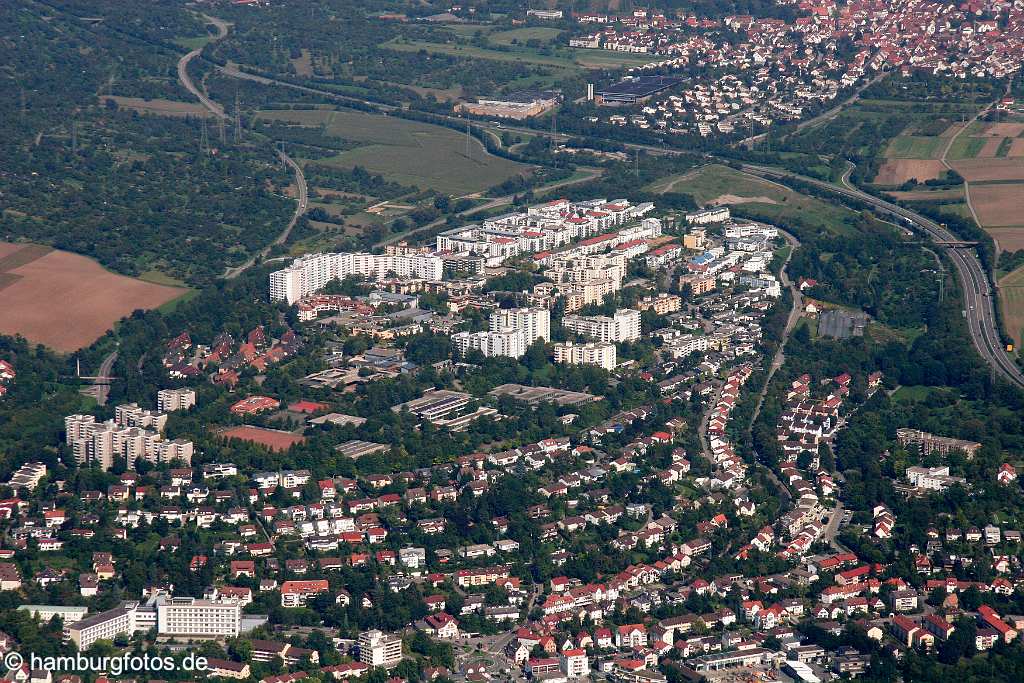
(978, 295)
(186, 80)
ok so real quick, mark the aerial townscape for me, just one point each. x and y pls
(506, 342)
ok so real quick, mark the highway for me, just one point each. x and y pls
(979, 298)
(186, 80)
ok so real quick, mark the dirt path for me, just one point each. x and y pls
(967, 185)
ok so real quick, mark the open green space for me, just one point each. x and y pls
(1011, 302)
(965, 147)
(407, 152)
(521, 35)
(720, 184)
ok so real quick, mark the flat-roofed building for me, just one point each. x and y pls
(102, 626)
(377, 648)
(593, 353)
(195, 618)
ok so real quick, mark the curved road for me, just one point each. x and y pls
(978, 296)
(186, 80)
(218, 111)
(300, 208)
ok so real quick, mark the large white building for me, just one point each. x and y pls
(593, 353)
(102, 442)
(176, 617)
(191, 617)
(131, 415)
(533, 323)
(102, 626)
(67, 613)
(169, 400)
(311, 273)
(380, 649)
(717, 214)
(623, 326)
(510, 343)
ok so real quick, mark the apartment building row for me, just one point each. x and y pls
(311, 273)
(623, 326)
(601, 354)
(546, 227)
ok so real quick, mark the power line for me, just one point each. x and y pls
(204, 140)
(238, 119)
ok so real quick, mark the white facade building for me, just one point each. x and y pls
(510, 343)
(311, 273)
(102, 442)
(623, 326)
(198, 618)
(534, 323)
(593, 353)
(380, 649)
(169, 400)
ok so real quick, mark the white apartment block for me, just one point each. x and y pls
(131, 415)
(170, 400)
(715, 215)
(623, 326)
(311, 273)
(747, 230)
(593, 353)
(683, 346)
(534, 323)
(27, 476)
(588, 268)
(102, 442)
(548, 226)
(380, 649)
(191, 617)
(932, 478)
(102, 626)
(68, 614)
(510, 343)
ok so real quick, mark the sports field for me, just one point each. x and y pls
(408, 152)
(67, 301)
(274, 439)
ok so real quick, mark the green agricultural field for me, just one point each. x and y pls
(521, 35)
(1011, 301)
(965, 147)
(577, 59)
(915, 147)
(408, 152)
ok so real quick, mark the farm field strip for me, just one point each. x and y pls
(86, 299)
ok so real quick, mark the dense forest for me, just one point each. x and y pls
(133, 191)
